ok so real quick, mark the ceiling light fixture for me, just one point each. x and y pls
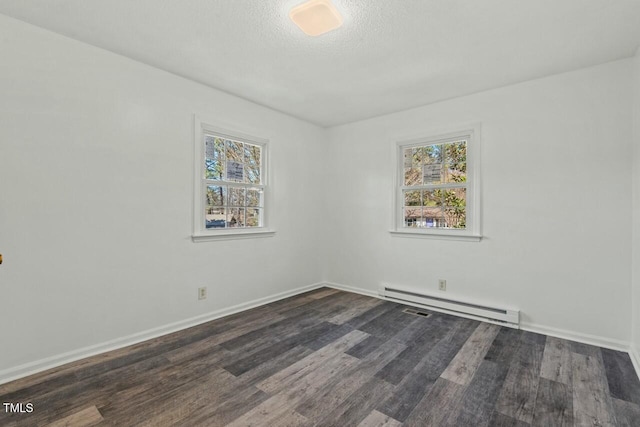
(316, 17)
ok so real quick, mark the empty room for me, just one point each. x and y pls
(320, 213)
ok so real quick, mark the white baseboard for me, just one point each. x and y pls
(352, 289)
(41, 365)
(596, 340)
(634, 353)
(546, 330)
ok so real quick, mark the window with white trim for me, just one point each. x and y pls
(230, 184)
(438, 185)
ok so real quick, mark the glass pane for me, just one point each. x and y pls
(412, 198)
(432, 173)
(236, 196)
(412, 176)
(407, 157)
(455, 197)
(419, 156)
(252, 159)
(433, 154)
(456, 173)
(234, 161)
(413, 217)
(433, 217)
(432, 198)
(253, 217)
(456, 160)
(235, 217)
(235, 151)
(254, 197)
(455, 200)
(456, 152)
(252, 154)
(214, 157)
(455, 216)
(216, 195)
(252, 173)
(215, 217)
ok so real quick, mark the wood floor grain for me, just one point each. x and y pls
(464, 365)
(378, 419)
(333, 358)
(554, 404)
(517, 398)
(592, 403)
(556, 361)
(84, 418)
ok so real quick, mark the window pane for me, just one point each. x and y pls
(234, 171)
(412, 198)
(254, 197)
(235, 151)
(432, 198)
(455, 200)
(455, 216)
(433, 154)
(419, 155)
(407, 154)
(432, 173)
(456, 173)
(412, 176)
(236, 196)
(455, 197)
(214, 157)
(216, 195)
(252, 157)
(253, 154)
(253, 217)
(413, 217)
(455, 152)
(456, 160)
(433, 217)
(234, 161)
(252, 174)
(215, 217)
(235, 217)
(214, 209)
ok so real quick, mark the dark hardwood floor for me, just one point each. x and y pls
(332, 358)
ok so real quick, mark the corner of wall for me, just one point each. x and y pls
(635, 245)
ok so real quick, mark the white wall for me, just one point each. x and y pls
(96, 157)
(96, 202)
(556, 174)
(635, 262)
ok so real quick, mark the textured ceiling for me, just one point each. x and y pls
(389, 55)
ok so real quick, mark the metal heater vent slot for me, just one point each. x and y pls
(416, 312)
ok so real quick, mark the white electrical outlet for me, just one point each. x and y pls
(442, 284)
(202, 293)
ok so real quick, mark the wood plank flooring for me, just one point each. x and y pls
(332, 358)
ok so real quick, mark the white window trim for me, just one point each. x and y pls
(473, 231)
(200, 232)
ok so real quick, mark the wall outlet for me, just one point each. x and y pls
(442, 285)
(202, 293)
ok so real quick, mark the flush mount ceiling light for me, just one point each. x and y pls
(316, 17)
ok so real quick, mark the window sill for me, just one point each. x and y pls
(436, 235)
(233, 235)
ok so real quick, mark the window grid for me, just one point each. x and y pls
(232, 183)
(434, 190)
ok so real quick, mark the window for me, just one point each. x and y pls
(231, 184)
(438, 186)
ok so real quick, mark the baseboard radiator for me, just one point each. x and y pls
(501, 316)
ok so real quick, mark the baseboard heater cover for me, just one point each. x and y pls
(507, 317)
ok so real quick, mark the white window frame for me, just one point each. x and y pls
(200, 232)
(472, 232)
